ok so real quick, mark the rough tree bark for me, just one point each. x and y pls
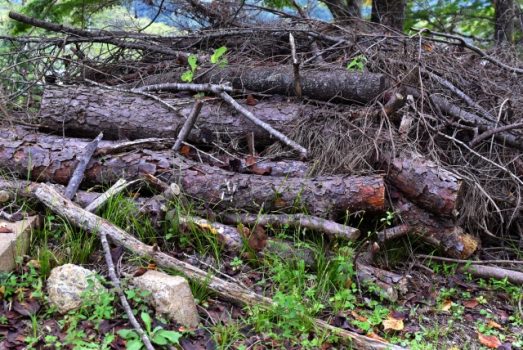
(82, 110)
(504, 21)
(51, 158)
(343, 10)
(422, 181)
(439, 232)
(389, 12)
(320, 84)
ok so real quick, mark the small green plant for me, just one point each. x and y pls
(357, 64)
(236, 263)
(218, 57)
(389, 217)
(188, 75)
(158, 335)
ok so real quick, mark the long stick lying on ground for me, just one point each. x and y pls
(92, 223)
(78, 174)
(118, 187)
(312, 222)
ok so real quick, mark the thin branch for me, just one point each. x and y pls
(78, 174)
(188, 125)
(476, 262)
(121, 295)
(118, 187)
(478, 51)
(227, 98)
(491, 132)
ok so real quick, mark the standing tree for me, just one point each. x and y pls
(504, 20)
(389, 12)
(344, 9)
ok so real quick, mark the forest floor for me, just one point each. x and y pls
(443, 308)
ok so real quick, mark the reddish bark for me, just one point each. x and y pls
(51, 158)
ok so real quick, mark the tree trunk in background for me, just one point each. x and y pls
(344, 9)
(389, 12)
(504, 21)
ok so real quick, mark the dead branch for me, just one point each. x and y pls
(295, 220)
(78, 173)
(229, 291)
(188, 125)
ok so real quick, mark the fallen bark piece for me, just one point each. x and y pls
(229, 291)
(227, 235)
(389, 284)
(423, 182)
(52, 158)
(329, 227)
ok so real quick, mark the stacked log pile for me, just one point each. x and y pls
(414, 138)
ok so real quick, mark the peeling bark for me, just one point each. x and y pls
(51, 158)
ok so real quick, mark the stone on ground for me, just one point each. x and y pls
(66, 284)
(14, 240)
(170, 296)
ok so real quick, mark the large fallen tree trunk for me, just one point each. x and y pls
(82, 110)
(51, 158)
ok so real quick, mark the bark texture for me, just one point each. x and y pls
(439, 232)
(318, 84)
(389, 12)
(82, 110)
(423, 182)
(504, 20)
(52, 158)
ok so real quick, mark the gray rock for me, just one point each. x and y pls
(66, 284)
(170, 296)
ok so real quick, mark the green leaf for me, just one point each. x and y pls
(128, 334)
(172, 336)
(218, 53)
(187, 76)
(147, 320)
(193, 62)
(135, 344)
(158, 339)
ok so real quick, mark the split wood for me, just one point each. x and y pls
(229, 291)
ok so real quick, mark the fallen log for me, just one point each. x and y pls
(422, 181)
(227, 290)
(441, 233)
(51, 158)
(82, 110)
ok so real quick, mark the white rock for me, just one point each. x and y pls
(170, 296)
(66, 284)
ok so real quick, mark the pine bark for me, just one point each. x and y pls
(51, 158)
